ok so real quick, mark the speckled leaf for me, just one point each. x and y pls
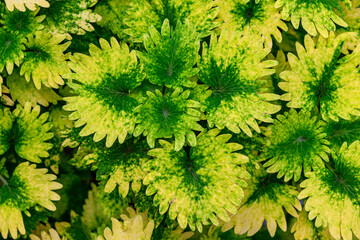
(27, 187)
(23, 91)
(192, 184)
(113, 13)
(45, 61)
(231, 67)
(135, 226)
(23, 4)
(315, 15)
(11, 50)
(320, 78)
(333, 194)
(256, 20)
(73, 17)
(343, 131)
(267, 202)
(304, 229)
(144, 13)
(297, 142)
(120, 165)
(27, 131)
(164, 116)
(171, 55)
(23, 23)
(104, 103)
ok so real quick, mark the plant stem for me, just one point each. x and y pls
(3, 180)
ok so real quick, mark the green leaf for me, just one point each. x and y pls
(231, 67)
(332, 194)
(113, 13)
(256, 20)
(73, 17)
(23, 23)
(267, 201)
(297, 141)
(44, 60)
(351, 17)
(192, 184)
(135, 226)
(27, 187)
(145, 13)
(315, 15)
(320, 78)
(171, 55)
(119, 165)
(343, 131)
(11, 50)
(304, 229)
(73, 230)
(27, 131)
(23, 91)
(21, 5)
(164, 116)
(104, 101)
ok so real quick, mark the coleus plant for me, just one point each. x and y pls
(171, 119)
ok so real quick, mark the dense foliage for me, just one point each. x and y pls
(179, 119)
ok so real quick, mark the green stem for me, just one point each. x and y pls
(3, 180)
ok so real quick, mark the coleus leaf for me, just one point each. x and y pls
(351, 17)
(343, 131)
(171, 55)
(75, 17)
(319, 78)
(215, 233)
(27, 187)
(51, 234)
(27, 130)
(144, 13)
(113, 14)
(104, 100)
(164, 116)
(332, 194)
(21, 5)
(297, 141)
(11, 49)
(256, 20)
(45, 61)
(134, 226)
(23, 91)
(266, 201)
(23, 23)
(231, 67)
(193, 185)
(304, 229)
(120, 165)
(315, 15)
(73, 230)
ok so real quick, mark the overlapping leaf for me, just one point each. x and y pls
(315, 15)
(164, 116)
(28, 187)
(104, 103)
(27, 131)
(145, 13)
(333, 194)
(256, 20)
(297, 141)
(198, 184)
(320, 78)
(171, 55)
(231, 67)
